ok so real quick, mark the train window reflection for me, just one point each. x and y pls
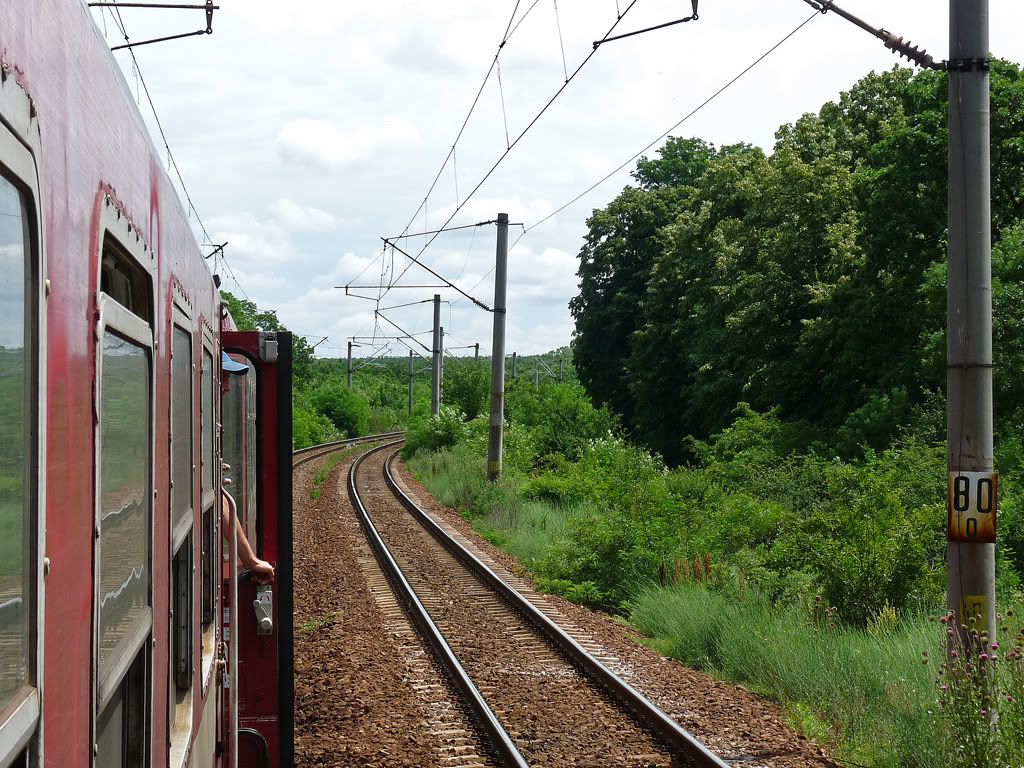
(125, 499)
(206, 405)
(15, 450)
(181, 433)
(239, 445)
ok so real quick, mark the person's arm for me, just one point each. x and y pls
(262, 572)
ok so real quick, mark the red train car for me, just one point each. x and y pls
(127, 635)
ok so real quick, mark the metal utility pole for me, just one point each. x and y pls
(412, 375)
(971, 494)
(536, 377)
(435, 362)
(350, 365)
(476, 351)
(513, 365)
(496, 429)
(441, 358)
(560, 377)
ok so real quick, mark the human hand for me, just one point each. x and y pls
(261, 572)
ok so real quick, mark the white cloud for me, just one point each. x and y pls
(299, 217)
(321, 143)
(362, 101)
(486, 209)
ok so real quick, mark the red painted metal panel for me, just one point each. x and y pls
(94, 143)
(265, 661)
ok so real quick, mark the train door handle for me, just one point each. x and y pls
(264, 607)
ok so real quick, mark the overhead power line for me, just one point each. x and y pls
(509, 30)
(119, 21)
(572, 76)
(687, 117)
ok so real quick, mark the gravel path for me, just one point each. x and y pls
(366, 694)
(555, 716)
(730, 720)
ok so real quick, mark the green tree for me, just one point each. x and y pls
(249, 317)
(811, 280)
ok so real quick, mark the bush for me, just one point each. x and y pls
(432, 434)
(348, 410)
(561, 417)
(467, 386)
(310, 427)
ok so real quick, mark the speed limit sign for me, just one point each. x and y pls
(971, 507)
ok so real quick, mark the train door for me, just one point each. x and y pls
(257, 446)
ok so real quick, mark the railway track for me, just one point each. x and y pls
(536, 695)
(305, 455)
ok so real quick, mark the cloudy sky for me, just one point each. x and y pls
(307, 130)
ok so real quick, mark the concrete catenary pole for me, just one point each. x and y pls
(513, 365)
(350, 365)
(412, 376)
(441, 358)
(971, 487)
(476, 352)
(435, 360)
(496, 429)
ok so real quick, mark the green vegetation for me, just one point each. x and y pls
(763, 493)
(325, 469)
(323, 407)
(319, 622)
(811, 280)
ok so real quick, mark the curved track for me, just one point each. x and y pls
(538, 696)
(305, 455)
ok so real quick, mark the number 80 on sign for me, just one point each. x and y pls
(971, 507)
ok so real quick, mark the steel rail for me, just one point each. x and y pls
(649, 715)
(316, 451)
(496, 737)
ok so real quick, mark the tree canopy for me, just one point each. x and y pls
(810, 280)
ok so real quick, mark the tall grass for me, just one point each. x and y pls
(525, 529)
(868, 691)
(871, 693)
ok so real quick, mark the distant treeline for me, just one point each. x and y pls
(811, 280)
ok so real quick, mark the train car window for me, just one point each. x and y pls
(207, 418)
(123, 585)
(181, 638)
(181, 435)
(239, 447)
(123, 280)
(17, 412)
(209, 575)
(250, 461)
(125, 503)
(182, 577)
(231, 441)
(121, 733)
(208, 562)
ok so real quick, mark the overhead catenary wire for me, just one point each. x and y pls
(119, 22)
(572, 76)
(472, 107)
(687, 117)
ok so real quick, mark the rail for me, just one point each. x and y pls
(496, 736)
(642, 709)
(316, 451)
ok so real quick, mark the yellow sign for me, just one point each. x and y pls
(971, 501)
(974, 606)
